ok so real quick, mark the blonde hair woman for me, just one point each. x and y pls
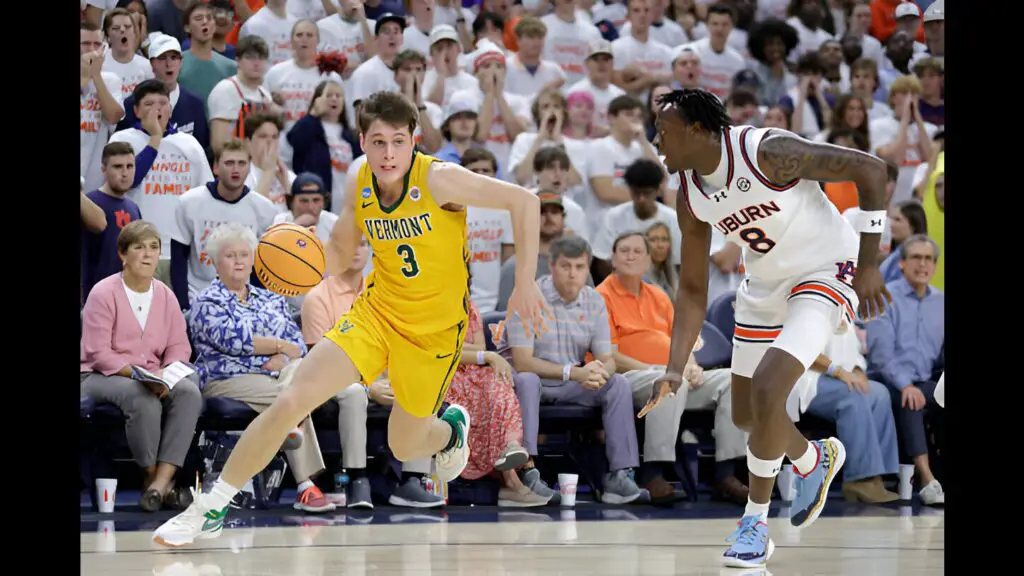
(662, 273)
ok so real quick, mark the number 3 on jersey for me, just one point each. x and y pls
(756, 240)
(411, 268)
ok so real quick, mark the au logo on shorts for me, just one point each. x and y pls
(366, 192)
(345, 326)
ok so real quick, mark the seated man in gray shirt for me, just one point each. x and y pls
(551, 367)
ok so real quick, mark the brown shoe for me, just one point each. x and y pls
(869, 491)
(662, 492)
(731, 490)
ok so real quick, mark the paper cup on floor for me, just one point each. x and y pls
(787, 483)
(106, 538)
(106, 490)
(567, 488)
(906, 481)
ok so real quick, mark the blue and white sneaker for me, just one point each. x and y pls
(751, 546)
(812, 488)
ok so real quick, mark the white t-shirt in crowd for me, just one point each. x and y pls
(371, 76)
(622, 218)
(131, 73)
(449, 14)
(141, 302)
(486, 231)
(651, 56)
(276, 31)
(277, 192)
(883, 131)
(602, 98)
(519, 80)
(296, 86)
(718, 68)
(94, 131)
(568, 43)
(498, 141)
(199, 213)
(577, 150)
(226, 98)
(666, 32)
(415, 39)
(607, 158)
(614, 12)
(180, 166)
(461, 81)
(306, 9)
(341, 159)
(809, 40)
(341, 35)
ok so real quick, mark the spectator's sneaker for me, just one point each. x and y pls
(621, 488)
(412, 494)
(450, 463)
(812, 488)
(751, 546)
(293, 441)
(195, 523)
(521, 497)
(512, 457)
(312, 500)
(360, 495)
(532, 480)
(932, 494)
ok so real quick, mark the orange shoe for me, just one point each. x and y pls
(312, 500)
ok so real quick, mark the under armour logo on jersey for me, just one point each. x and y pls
(720, 196)
(876, 222)
(743, 184)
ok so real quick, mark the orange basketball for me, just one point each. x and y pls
(290, 260)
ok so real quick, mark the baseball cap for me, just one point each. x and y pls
(488, 53)
(304, 180)
(388, 17)
(936, 12)
(460, 101)
(442, 32)
(599, 47)
(163, 44)
(908, 9)
(550, 198)
(684, 50)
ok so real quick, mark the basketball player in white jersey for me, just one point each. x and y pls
(806, 273)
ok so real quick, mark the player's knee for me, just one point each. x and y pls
(768, 396)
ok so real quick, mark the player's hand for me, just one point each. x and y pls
(500, 366)
(664, 387)
(912, 397)
(527, 301)
(871, 290)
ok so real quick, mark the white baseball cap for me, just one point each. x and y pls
(163, 44)
(908, 9)
(442, 32)
(460, 101)
(601, 46)
(936, 12)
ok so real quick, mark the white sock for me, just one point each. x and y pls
(219, 496)
(755, 509)
(807, 462)
(307, 483)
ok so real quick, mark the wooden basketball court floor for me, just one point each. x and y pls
(855, 541)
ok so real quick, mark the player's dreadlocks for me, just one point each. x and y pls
(697, 107)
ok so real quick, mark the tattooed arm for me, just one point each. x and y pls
(784, 158)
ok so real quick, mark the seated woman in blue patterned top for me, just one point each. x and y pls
(248, 346)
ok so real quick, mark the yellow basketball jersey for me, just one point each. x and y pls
(420, 278)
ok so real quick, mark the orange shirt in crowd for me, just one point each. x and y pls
(641, 325)
(324, 304)
(232, 37)
(843, 195)
(883, 20)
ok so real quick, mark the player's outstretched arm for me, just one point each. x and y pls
(451, 183)
(786, 157)
(345, 237)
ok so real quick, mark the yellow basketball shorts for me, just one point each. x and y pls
(420, 368)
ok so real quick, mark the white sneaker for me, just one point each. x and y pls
(932, 494)
(195, 523)
(450, 463)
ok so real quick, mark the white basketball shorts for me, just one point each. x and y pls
(798, 315)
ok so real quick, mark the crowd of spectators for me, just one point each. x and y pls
(205, 122)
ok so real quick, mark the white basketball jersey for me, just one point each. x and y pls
(784, 231)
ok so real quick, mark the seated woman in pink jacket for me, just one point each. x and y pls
(130, 319)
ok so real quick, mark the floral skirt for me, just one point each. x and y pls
(495, 416)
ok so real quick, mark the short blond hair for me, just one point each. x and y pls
(134, 233)
(908, 84)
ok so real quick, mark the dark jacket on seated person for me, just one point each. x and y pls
(310, 150)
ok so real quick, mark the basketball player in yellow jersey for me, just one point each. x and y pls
(411, 318)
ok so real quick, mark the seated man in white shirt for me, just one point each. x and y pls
(644, 178)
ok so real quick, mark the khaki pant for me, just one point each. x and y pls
(259, 391)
